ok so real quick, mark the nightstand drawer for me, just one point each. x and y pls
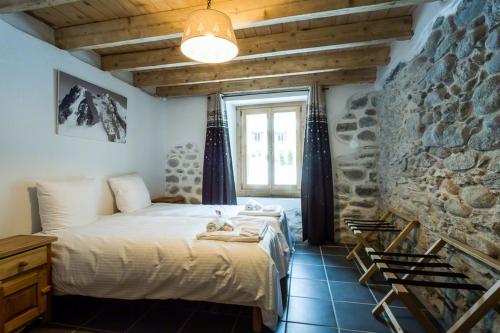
(24, 299)
(22, 262)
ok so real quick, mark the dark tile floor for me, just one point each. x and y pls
(324, 297)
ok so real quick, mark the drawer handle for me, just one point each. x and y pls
(46, 290)
(23, 264)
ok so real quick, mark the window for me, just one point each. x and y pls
(270, 150)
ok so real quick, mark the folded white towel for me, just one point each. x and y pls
(252, 205)
(270, 210)
(245, 233)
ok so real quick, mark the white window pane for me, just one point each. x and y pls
(256, 140)
(285, 148)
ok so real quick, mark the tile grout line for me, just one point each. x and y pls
(330, 291)
(373, 295)
(191, 315)
(82, 325)
(142, 316)
(289, 289)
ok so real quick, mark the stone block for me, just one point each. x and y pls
(493, 65)
(354, 174)
(172, 179)
(493, 40)
(492, 181)
(442, 71)
(366, 190)
(461, 161)
(359, 102)
(432, 136)
(468, 10)
(495, 165)
(455, 207)
(478, 197)
(450, 186)
(367, 122)
(486, 98)
(367, 135)
(363, 203)
(173, 162)
(449, 44)
(456, 135)
(433, 42)
(345, 127)
(492, 13)
(437, 23)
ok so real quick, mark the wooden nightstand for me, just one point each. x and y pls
(25, 280)
(177, 199)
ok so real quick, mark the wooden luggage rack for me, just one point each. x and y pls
(364, 229)
(423, 267)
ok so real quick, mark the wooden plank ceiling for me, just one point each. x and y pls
(282, 43)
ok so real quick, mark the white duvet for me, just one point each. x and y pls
(157, 256)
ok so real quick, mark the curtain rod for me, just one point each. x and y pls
(266, 92)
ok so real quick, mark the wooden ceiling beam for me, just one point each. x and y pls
(243, 13)
(292, 81)
(12, 6)
(279, 44)
(265, 67)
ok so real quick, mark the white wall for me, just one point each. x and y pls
(186, 121)
(30, 148)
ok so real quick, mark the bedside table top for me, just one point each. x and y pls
(21, 243)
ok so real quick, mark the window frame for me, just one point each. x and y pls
(269, 190)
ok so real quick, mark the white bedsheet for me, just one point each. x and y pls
(158, 257)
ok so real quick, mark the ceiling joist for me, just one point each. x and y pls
(12, 6)
(266, 67)
(243, 13)
(287, 43)
(292, 81)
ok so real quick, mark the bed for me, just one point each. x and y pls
(153, 253)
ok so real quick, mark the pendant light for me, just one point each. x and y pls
(209, 37)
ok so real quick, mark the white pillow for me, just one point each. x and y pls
(64, 204)
(130, 192)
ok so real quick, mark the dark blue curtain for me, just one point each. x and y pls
(218, 180)
(317, 183)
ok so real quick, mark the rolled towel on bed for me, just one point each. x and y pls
(215, 225)
(252, 205)
(246, 233)
(220, 225)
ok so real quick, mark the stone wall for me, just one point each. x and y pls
(184, 172)
(356, 191)
(440, 146)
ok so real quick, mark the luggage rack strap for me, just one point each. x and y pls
(412, 263)
(432, 284)
(369, 224)
(422, 272)
(361, 220)
(376, 229)
(401, 254)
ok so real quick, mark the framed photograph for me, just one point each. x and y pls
(89, 111)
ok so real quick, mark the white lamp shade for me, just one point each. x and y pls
(209, 37)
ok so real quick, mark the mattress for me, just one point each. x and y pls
(157, 256)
